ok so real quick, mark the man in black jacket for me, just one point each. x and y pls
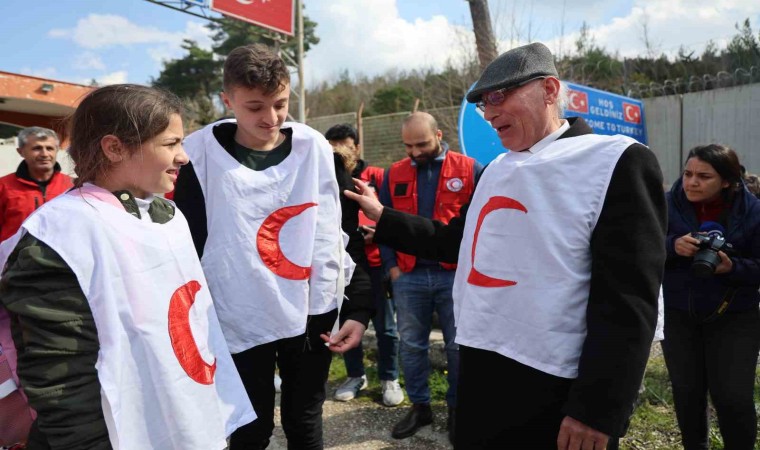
(557, 281)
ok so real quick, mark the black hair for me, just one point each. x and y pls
(342, 131)
(725, 161)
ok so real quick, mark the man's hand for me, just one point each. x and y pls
(369, 234)
(366, 199)
(348, 337)
(574, 435)
(393, 273)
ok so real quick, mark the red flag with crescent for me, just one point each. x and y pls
(577, 101)
(631, 113)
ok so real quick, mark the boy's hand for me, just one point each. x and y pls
(366, 199)
(575, 435)
(348, 337)
(369, 233)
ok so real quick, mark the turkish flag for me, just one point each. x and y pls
(276, 15)
(577, 101)
(631, 113)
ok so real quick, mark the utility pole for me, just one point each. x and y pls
(301, 88)
(484, 38)
(200, 8)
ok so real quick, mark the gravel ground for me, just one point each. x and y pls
(367, 426)
(365, 423)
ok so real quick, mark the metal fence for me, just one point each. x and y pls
(729, 116)
(382, 134)
(695, 83)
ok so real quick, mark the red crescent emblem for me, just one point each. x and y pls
(268, 243)
(479, 279)
(181, 335)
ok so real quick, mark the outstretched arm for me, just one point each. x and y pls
(416, 235)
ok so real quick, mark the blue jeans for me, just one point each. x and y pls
(417, 294)
(384, 322)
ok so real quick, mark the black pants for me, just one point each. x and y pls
(502, 404)
(304, 364)
(719, 357)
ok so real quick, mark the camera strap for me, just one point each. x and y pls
(722, 307)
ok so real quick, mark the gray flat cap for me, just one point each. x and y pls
(513, 67)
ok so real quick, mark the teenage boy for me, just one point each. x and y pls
(263, 206)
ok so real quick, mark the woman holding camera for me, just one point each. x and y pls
(712, 275)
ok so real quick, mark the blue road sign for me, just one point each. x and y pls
(606, 113)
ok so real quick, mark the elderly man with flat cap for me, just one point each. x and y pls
(560, 256)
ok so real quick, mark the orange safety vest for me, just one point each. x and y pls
(374, 177)
(455, 186)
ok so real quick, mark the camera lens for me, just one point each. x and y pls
(705, 262)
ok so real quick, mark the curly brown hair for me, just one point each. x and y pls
(255, 66)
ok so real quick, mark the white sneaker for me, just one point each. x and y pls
(348, 390)
(277, 382)
(392, 393)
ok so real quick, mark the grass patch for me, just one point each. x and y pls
(653, 424)
(374, 393)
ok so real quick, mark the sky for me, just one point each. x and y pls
(117, 41)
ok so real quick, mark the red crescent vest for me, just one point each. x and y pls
(455, 186)
(374, 177)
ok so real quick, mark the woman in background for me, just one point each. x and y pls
(712, 325)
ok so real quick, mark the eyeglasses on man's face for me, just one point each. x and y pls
(497, 97)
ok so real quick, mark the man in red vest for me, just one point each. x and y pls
(37, 179)
(432, 182)
(384, 320)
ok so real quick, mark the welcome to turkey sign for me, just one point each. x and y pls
(276, 15)
(605, 112)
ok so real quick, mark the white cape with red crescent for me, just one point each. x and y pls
(129, 270)
(541, 320)
(255, 303)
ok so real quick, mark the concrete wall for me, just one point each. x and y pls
(9, 157)
(729, 116)
(663, 122)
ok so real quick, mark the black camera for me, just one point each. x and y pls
(707, 258)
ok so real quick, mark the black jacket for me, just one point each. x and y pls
(742, 227)
(626, 273)
(57, 341)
